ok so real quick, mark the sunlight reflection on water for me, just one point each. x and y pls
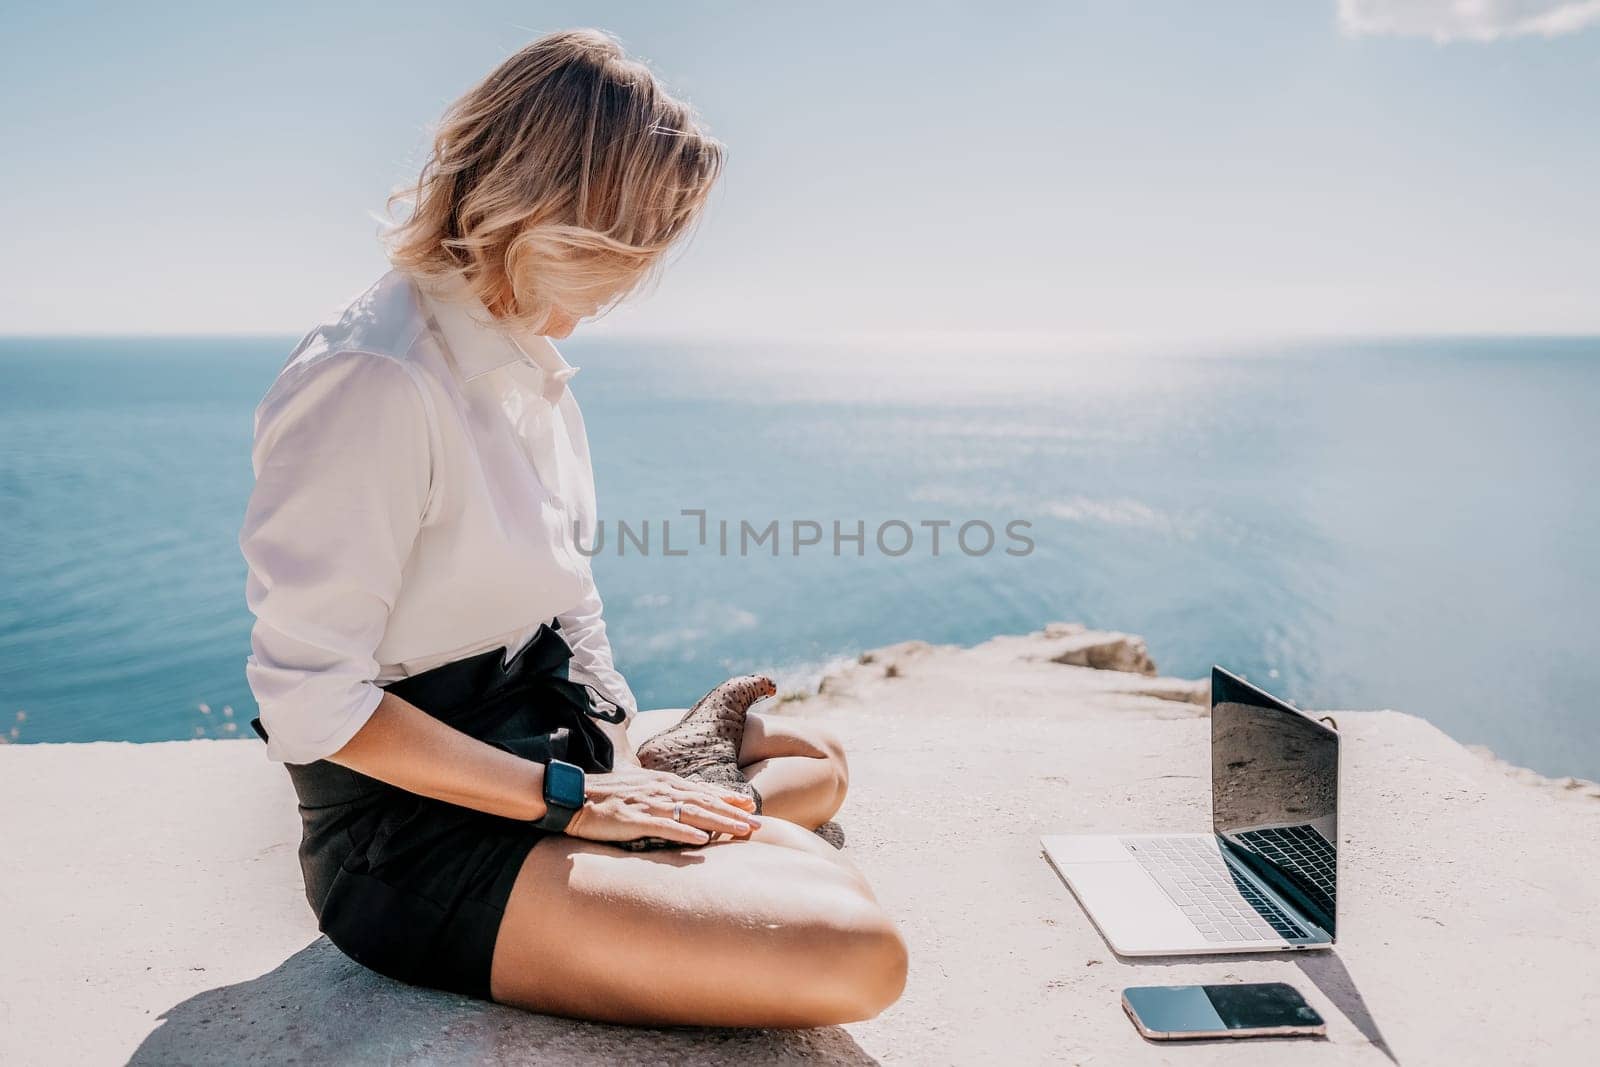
(1406, 525)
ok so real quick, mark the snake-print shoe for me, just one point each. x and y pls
(709, 734)
(703, 746)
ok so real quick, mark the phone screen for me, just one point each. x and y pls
(1220, 1010)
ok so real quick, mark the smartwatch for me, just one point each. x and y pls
(563, 795)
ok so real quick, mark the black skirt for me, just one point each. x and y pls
(415, 888)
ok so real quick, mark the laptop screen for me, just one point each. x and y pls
(1275, 793)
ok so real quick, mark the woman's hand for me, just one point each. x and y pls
(629, 803)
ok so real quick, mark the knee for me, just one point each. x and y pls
(831, 749)
(878, 960)
(858, 964)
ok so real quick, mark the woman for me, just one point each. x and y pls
(429, 653)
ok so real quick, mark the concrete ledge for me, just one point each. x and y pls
(152, 908)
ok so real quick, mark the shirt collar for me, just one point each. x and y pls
(477, 345)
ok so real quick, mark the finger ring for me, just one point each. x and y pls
(677, 813)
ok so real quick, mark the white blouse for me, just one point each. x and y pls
(419, 476)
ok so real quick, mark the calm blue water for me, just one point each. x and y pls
(1410, 525)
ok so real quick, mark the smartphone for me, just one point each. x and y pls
(1257, 1009)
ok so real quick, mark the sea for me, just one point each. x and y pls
(1379, 523)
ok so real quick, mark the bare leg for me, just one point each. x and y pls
(763, 932)
(798, 765)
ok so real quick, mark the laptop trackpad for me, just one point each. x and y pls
(1087, 848)
(1130, 909)
(1120, 897)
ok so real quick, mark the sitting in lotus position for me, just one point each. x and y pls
(484, 808)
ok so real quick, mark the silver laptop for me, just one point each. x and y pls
(1265, 879)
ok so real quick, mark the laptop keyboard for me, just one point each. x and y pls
(1222, 907)
(1303, 855)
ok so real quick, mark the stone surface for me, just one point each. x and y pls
(1075, 646)
(150, 903)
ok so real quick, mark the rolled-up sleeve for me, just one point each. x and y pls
(342, 466)
(584, 629)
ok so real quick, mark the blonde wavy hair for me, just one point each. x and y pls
(556, 184)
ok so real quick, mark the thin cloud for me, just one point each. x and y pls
(1466, 20)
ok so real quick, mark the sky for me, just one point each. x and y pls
(1094, 169)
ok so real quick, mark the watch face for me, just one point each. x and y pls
(563, 785)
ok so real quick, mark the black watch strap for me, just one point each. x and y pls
(563, 795)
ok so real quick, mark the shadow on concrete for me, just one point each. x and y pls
(318, 1006)
(1329, 974)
